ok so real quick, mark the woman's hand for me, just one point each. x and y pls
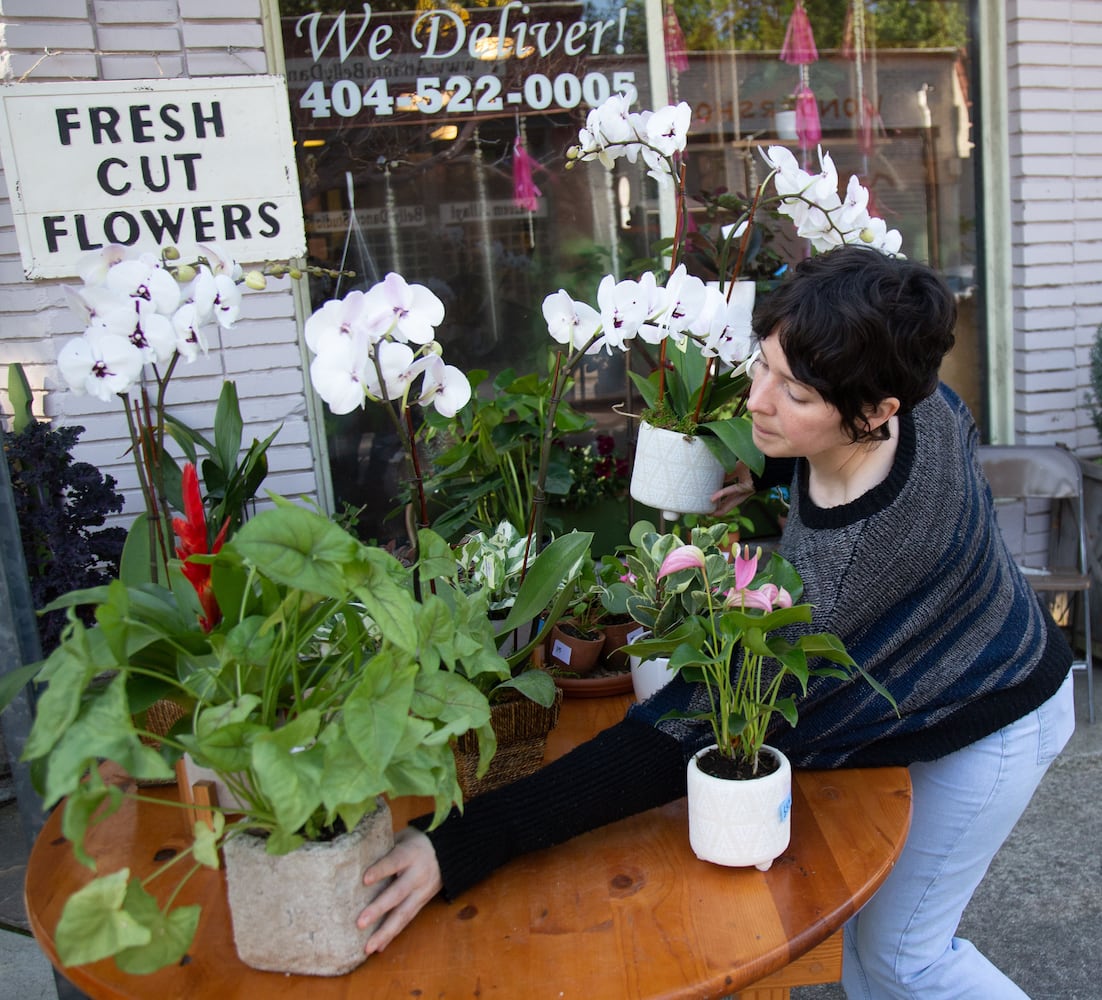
(412, 865)
(740, 489)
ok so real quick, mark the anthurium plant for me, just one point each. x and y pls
(746, 644)
(317, 672)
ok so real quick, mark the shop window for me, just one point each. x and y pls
(408, 119)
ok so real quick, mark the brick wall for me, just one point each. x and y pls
(44, 40)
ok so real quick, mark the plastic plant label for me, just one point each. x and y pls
(561, 651)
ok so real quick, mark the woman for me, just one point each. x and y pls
(893, 530)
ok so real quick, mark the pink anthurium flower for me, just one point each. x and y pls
(684, 557)
(746, 568)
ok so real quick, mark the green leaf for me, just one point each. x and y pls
(171, 933)
(20, 397)
(206, 840)
(228, 426)
(376, 713)
(298, 548)
(289, 776)
(550, 571)
(82, 806)
(15, 681)
(535, 685)
(102, 729)
(95, 924)
(346, 777)
(451, 702)
(737, 437)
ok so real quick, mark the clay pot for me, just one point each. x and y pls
(570, 653)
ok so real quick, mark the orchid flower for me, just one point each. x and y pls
(339, 374)
(409, 313)
(445, 386)
(150, 332)
(344, 316)
(145, 279)
(100, 363)
(191, 531)
(570, 323)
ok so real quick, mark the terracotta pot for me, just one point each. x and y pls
(566, 652)
(297, 912)
(740, 823)
(674, 473)
(616, 635)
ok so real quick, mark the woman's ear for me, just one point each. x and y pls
(878, 415)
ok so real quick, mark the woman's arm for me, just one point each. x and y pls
(628, 768)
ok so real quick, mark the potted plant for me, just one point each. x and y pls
(658, 604)
(702, 332)
(524, 596)
(318, 674)
(483, 463)
(576, 641)
(745, 644)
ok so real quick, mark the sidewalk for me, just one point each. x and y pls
(1037, 915)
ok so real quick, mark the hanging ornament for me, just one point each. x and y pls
(525, 193)
(677, 58)
(808, 129)
(799, 44)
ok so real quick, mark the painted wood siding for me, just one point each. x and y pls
(44, 40)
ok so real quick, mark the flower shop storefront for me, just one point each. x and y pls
(431, 141)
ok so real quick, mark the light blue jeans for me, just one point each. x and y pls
(903, 944)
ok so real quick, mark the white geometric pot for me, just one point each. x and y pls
(649, 676)
(740, 823)
(675, 473)
(297, 912)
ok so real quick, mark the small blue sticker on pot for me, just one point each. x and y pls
(785, 808)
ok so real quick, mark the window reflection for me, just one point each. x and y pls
(408, 118)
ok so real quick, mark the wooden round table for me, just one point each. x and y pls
(622, 912)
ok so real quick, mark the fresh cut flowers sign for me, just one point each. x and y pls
(149, 164)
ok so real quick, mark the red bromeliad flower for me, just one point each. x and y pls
(191, 530)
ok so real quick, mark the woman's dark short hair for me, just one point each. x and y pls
(859, 326)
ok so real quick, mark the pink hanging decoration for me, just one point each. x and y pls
(799, 44)
(525, 192)
(808, 129)
(676, 56)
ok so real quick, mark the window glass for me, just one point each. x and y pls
(410, 120)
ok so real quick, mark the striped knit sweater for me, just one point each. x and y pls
(915, 578)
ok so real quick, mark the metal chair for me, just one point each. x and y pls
(1024, 472)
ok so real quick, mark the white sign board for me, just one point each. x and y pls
(150, 163)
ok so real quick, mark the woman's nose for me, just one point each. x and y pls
(757, 400)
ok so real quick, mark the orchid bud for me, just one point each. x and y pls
(184, 273)
(256, 281)
(170, 253)
(295, 273)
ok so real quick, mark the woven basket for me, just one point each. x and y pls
(521, 727)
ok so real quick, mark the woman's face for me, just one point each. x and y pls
(791, 420)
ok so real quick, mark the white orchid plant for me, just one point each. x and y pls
(376, 345)
(709, 325)
(143, 313)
